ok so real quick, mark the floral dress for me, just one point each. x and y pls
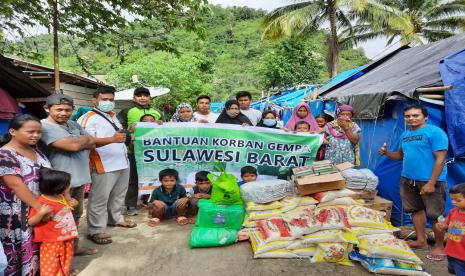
(340, 149)
(15, 233)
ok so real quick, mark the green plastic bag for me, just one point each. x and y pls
(212, 237)
(225, 188)
(212, 215)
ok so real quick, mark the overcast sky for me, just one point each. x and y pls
(373, 49)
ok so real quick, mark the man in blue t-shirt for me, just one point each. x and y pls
(423, 150)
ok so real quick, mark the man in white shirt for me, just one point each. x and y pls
(203, 113)
(245, 99)
(109, 167)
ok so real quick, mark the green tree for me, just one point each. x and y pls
(187, 76)
(292, 62)
(305, 17)
(412, 21)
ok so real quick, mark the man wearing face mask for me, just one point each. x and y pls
(109, 167)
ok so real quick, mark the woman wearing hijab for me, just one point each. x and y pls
(343, 136)
(231, 114)
(269, 119)
(184, 113)
(302, 112)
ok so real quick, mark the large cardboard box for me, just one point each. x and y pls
(307, 185)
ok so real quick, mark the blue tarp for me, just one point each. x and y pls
(452, 70)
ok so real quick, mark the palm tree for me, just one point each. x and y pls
(302, 18)
(410, 21)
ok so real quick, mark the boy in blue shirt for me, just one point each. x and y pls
(202, 190)
(423, 150)
(169, 200)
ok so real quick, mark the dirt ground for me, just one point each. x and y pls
(164, 250)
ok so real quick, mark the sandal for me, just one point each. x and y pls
(85, 251)
(100, 238)
(153, 222)
(436, 257)
(124, 224)
(182, 220)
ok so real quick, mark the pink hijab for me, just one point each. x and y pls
(309, 119)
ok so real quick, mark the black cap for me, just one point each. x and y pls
(59, 99)
(141, 90)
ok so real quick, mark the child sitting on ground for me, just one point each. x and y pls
(169, 200)
(202, 190)
(248, 174)
(57, 234)
(455, 225)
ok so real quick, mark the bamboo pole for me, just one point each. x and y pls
(434, 89)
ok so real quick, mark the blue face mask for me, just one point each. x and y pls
(269, 122)
(106, 106)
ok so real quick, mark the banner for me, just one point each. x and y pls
(192, 147)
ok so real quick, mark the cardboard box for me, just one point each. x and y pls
(381, 204)
(313, 184)
(363, 194)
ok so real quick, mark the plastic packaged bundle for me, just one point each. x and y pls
(277, 229)
(387, 246)
(363, 231)
(331, 236)
(331, 195)
(307, 200)
(260, 246)
(332, 253)
(365, 217)
(212, 237)
(363, 179)
(387, 266)
(265, 191)
(212, 215)
(339, 201)
(331, 217)
(305, 251)
(252, 206)
(289, 203)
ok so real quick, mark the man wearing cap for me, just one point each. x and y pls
(109, 167)
(68, 150)
(128, 117)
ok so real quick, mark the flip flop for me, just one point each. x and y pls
(182, 220)
(125, 224)
(436, 257)
(100, 238)
(86, 251)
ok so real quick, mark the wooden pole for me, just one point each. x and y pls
(434, 89)
(56, 66)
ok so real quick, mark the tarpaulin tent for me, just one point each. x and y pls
(385, 88)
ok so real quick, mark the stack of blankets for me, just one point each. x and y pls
(362, 179)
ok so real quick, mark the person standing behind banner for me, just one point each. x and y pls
(203, 113)
(343, 136)
(269, 120)
(183, 114)
(302, 112)
(231, 114)
(128, 117)
(109, 167)
(245, 99)
(69, 147)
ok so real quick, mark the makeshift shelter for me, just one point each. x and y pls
(384, 87)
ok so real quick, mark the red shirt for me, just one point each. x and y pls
(455, 246)
(62, 227)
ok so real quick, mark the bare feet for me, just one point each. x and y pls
(153, 222)
(418, 244)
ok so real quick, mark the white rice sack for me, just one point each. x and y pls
(330, 195)
(265, 191)
(305, 252)
(339, 201)
(260, 246)
(277, 254)
(387, 246)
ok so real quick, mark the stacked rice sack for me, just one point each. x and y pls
(327, 227)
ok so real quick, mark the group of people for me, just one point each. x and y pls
(45, 165)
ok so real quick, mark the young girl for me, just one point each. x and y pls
(321, 121)
(302, 126)
(302, 112)
(57, 234)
